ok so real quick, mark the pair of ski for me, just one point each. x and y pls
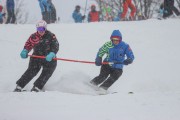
(99, 91)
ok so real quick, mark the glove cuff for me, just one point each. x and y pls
(24, 50)
(52, 54)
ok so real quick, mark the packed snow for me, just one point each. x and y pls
(153, 77)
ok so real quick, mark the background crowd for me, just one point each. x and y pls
(8, 15)
(125, 10)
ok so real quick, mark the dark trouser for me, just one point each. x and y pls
(175, 10)
(1, 21)
(46, 17)
(170, 9)
(11, 16)
(52, 17)
(34, 67)
(102, 79)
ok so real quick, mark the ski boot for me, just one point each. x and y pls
(35, 89)
(102, 90)
(18, 89)
(94, 85)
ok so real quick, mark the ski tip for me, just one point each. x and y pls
(130, 92)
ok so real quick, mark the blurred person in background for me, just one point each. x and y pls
(45, 10)
(93, 15)
(77, 16)
(128, 4)
(2, 15)
(10, 10)
(53, 15)
(167, 8)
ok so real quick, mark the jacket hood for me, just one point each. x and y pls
(116, 33)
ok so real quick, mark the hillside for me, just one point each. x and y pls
(153, 77)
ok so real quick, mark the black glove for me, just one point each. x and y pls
(83, 17)
(127, 61)
(98, 61)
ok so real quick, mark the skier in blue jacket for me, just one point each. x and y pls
(119, 53)
(77, 16)
(10, 9)
(45, 9)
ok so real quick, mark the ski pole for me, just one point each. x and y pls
(70, 60)
(85, 9)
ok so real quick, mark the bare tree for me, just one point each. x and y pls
(21, 16)
(178, 2)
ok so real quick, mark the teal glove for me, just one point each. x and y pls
(50, 56)
(24, 53)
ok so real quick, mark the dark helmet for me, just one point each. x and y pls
(78, 7)
(93, 6)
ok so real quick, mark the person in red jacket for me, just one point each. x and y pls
(1, 7)
(128, 4)
(2, 15)
(93, 15)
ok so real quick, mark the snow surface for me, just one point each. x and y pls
(153, 77)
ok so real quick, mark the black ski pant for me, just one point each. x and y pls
(1, 21)
(170, 9)
(35, 65)
(11, 16)
(103, 78)
(46, 16)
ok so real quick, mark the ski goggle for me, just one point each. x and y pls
(41, 29)
(115, 39)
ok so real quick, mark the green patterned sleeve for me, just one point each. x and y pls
(104, 49)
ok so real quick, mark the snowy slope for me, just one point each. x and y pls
(153, 77)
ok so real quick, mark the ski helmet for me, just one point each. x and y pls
(42, 24)
(93, 6)
(78, 6)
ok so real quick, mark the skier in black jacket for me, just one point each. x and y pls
(44, 43)
(169, 8)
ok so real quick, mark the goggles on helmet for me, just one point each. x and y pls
(41, 29)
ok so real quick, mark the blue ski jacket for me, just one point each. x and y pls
(1, 16)
(77, 16)
(116, 53)
(10, 4)
(44, 5)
